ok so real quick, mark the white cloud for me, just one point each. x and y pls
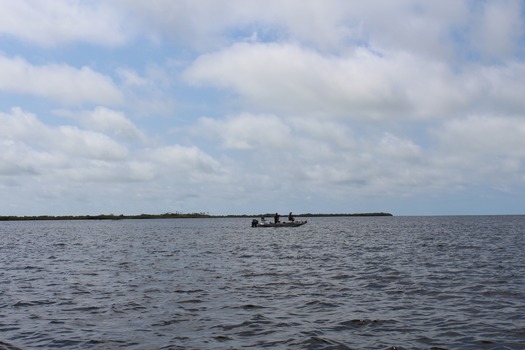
(107, 171)
(93, 145)
(49, 23)
(342, 136)
(246, 131)
(422, 28)
(496, 89)
(131, 78)
(328, 25)
(481, 151)
(317, 157)
(497, 28)
(288, 78)
(149, 94)
(398, 148)
(427, 28)
(59, 82)
(374, 165)
(484, 136)
(107, 121)
(66, 141)
(24, 151)
(291, 79)
(69, 156)
(16, 159)
(184, 161)
(23, 127)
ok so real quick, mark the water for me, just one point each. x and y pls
(334, 283)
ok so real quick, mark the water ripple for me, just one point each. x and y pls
(336, 283)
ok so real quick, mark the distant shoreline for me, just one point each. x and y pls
(167, 216)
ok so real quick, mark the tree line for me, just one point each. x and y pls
(167, 216)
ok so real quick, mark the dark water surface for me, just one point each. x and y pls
(335, 283)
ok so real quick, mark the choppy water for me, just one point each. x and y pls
(335, 283)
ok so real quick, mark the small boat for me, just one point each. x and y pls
(280, 224)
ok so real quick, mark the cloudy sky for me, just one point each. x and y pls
(247, 106)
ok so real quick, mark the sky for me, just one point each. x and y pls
(410, 107)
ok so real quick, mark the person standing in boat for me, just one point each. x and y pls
(290, 217)
(276, 218)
